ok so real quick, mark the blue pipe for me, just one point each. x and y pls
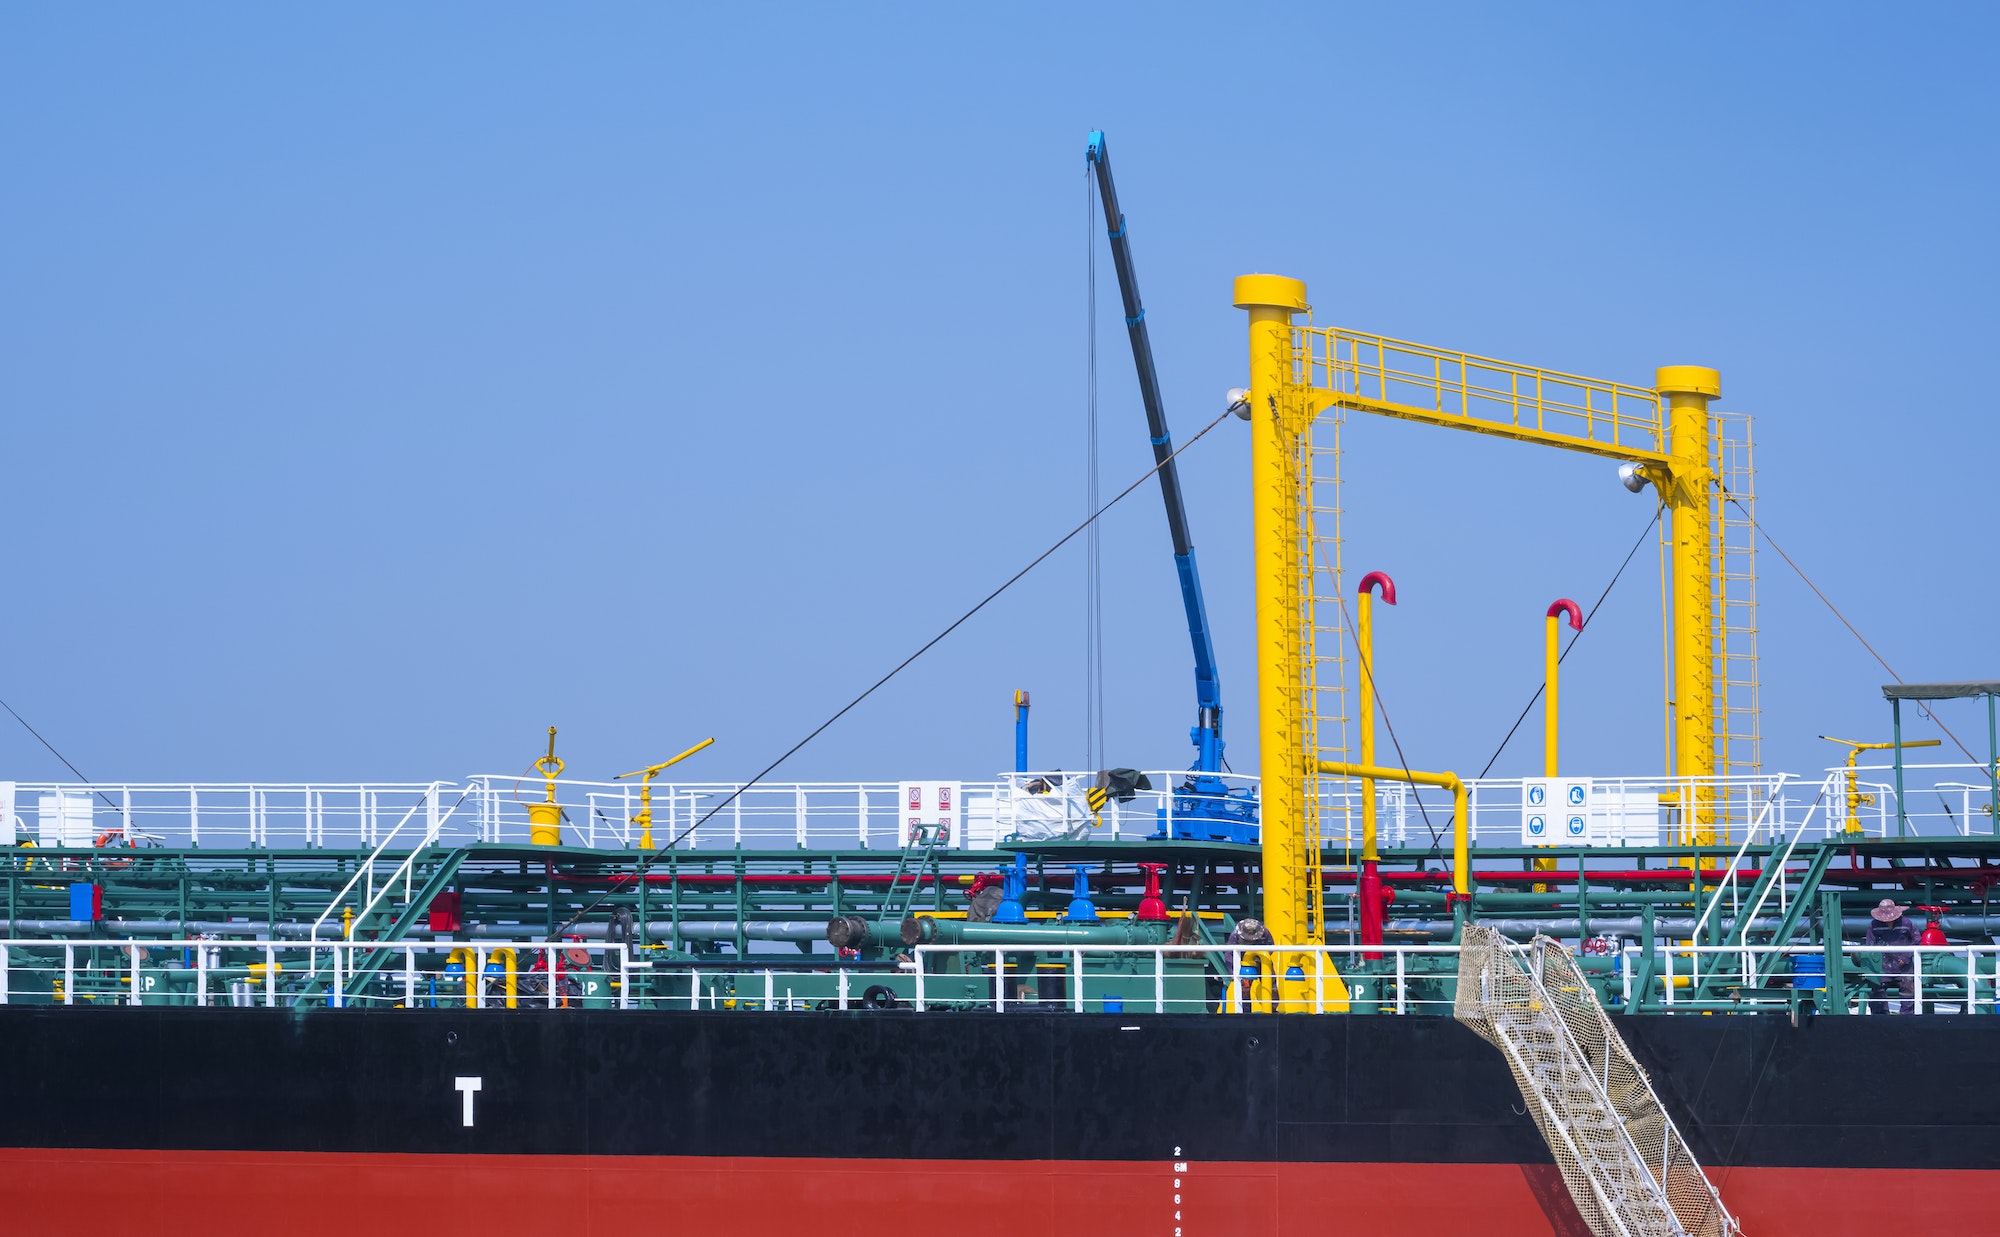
(1020, 732)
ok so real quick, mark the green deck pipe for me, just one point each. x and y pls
(1836, 960)
(1896, 722)
(1642, 973)
(674, 901)
(1582, 900)
(645, 914)
(742, 909)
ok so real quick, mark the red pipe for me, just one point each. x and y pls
(1561, 604)
(750, 878)
(1665, 876)
(1374, 898)
(1374, 578)
(1978, 877)
(788, 878)
(1369, 895)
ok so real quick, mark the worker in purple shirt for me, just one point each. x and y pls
(1889, 926)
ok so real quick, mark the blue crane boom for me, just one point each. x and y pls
(1207, 732)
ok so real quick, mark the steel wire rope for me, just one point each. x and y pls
(1732, 500)
(1389, 725)
(1093, 569)
(1574, 637)
(900, 666)
(59, 756)
(1437, 843)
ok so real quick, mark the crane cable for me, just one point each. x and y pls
(1574, 637)
(1093, 568)
(1852, 630)
(58, 755)
(1437, 838)
(960, 621)
(1389, 725)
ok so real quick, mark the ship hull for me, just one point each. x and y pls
(166, 1121)
(200, 1194)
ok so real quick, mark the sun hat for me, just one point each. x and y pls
(1886, 911)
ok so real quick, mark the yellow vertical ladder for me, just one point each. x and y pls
(1329, 806)
(1733, 586)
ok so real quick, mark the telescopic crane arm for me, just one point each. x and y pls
(1207, 733)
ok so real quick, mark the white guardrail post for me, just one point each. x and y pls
(1937, 983)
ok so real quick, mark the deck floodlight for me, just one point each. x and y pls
(1239, 402)
(1630, 476)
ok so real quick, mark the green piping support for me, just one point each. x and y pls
(1836, 960)
(1642, 974)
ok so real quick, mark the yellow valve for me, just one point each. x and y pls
(644, 817)
(347, 923)
(545, 818)
(1855, 799)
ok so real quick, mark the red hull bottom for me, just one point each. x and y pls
(171, 1193)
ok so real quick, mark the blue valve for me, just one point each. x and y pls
(1013, 888)
(1080, 907)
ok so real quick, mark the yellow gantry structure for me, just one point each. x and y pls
(1697, 461)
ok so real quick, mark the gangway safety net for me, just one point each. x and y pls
(1627, 1167)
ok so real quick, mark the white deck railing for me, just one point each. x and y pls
(1939, 800)
(1124, 979)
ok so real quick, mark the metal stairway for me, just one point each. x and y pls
(918, 861)
(1627, 1167)
(444, 865)
(445, 869)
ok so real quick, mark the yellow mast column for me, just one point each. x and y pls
(1274, 480)
(1688, 390)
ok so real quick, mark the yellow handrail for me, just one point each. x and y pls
(1461, 827)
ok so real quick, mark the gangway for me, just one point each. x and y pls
(1627, 1167)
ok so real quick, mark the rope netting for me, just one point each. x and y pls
(1627, 1167)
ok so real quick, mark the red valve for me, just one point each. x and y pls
(1933, 931)
(1151, 908)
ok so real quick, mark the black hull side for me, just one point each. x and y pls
(1873, 1092)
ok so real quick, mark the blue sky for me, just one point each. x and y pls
(382, 387)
